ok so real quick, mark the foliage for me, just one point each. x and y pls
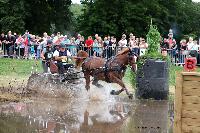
(37, 16)
(153, 51)
(12, 14)
(76, 9)
(130, 77)
(153, 40)
(115, 17)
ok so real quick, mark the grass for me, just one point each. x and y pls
(18, 67)
(16, 72)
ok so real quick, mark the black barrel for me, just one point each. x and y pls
(152, 80)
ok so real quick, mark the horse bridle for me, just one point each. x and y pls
(130, 56)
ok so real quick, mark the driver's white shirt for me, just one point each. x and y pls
(56, 53)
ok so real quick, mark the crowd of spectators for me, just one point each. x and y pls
(179, 51)
(31, 46)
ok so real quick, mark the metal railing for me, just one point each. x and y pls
(177, 56)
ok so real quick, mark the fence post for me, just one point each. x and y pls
(178, 103)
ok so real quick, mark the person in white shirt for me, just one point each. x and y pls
(143, 46)
(123, 42)
(62, 58)
(192, 47)
(132, 41)
(190, 43)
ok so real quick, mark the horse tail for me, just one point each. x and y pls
(81, 56)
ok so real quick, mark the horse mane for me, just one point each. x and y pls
(124, 51)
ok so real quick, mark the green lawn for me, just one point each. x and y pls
(15, 72)
(17, 67)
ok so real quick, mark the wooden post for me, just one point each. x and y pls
(178, 104)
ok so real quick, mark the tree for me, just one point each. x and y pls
(37, 16)
(60, 14)
(125, 16)
(12, 15)
(38, 19)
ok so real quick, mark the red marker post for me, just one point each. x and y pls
(190, 64)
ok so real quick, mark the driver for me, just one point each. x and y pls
(62, 59)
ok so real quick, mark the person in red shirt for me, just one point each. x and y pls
(89, 43)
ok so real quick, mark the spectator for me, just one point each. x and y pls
(192, 47)
(82, 43)
(170, 41)
(105, 47)
(96, 45)
(183, 44)
(183, 51)
(133, 45)
(143, 46)
(33, 46)
(113, 42)
(20, 45)
(123, 41)
(27, 40)
(73, 47)
(190, 44)
(132, 41)
(137, 41)
(10, 40)
(100, 45)
(40, 43)
(3, 42)
(78, 42)
(89, 43)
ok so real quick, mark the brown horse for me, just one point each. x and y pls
(111, 71)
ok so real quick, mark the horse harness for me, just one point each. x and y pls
(106, 69)
(117, 67)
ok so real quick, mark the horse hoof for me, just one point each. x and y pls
(112, 92)
(130, 96)
(99, 86)
(87, 88)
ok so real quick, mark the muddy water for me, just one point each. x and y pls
(91, 112)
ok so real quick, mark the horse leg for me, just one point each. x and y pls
(120, 82)
(87, 80)
(95, 82)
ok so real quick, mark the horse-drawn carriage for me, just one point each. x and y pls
(109, 70)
